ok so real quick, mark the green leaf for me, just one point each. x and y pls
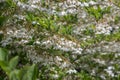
(3, 54)
(13, 62)
(3, 63)
(29, 17)
(2, 78)
(31, 73)
(4, 66)
(22, 73)
(14, 75)
(2, 20)
(11, 3)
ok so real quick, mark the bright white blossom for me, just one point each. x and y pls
(71, 71)
(55, 76)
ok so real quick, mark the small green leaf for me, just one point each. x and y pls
(13, 62)
(2, 20)
(14, 75)
(4, 66)
(31, 73)
(11, 3)
(30, 17)
(3, 54)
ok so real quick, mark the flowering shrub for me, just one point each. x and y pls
(66, 39)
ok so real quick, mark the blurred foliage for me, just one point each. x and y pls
(116, 2)
(117, 19)
(9, 66)
(7, 9)
(2, 20)
(62, 26)
(97, 12)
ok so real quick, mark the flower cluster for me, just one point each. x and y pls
(62, 44)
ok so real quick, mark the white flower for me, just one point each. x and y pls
(86, 4)
(82, 5)
(103, 77)
(58, 58)
(62, 39)
(104, 53)
(55, 76)
(60, 4)
(47, 42)
(71, 11)
(37, 42)
(74, 2)
(92, 3)
(99, 61)
(77, 50)
(64, 65)
(54, 11)
(1, 32)
(110, 67)
(35, 1)
(65, 49)
(57, 46)
(23, 41)
(71, 71)
(63, 13)
(110, 73)
(34, 22)
(79, 3)
(83, 16)
(10, 32)
(33, 6)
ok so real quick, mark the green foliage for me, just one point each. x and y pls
(30, 17)
(13, 63)
(11, 3)
(7, 8)
(99, 37)
(85, 76)
(29, 72)
(89, 30)
(47, 24)
(3, 54)
(116, 2)
(63, 27)
(97, 12)
(86, 0)
(65, 30)
(51, 25)
(25, 73)
(24, 1)
(117, 19)
(70, 18)
(2, 20)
